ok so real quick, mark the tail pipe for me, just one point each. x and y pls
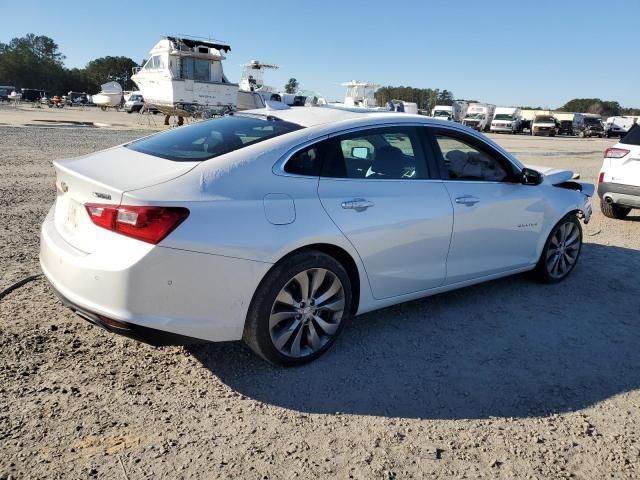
(608, 199)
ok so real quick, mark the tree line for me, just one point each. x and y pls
(35, 61)
(425, 98)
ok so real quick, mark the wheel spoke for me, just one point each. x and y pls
(568, 259)
(334, 288)
(276, 318)
(336, 305)
(328, 328)
(285, 297)
(280, 341)
(573, 235)
(312, 337)
(296, 345)
(303, 281)
(317, 277)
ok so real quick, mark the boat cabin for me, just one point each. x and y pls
(188, 59)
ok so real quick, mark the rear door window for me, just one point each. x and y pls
(392, 153)
(211, 138)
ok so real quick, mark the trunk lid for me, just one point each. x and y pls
(103, 177)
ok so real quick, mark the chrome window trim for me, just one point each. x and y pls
(278, 167)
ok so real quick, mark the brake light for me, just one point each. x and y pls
(149, 224)
(601, 177)
(615, 152)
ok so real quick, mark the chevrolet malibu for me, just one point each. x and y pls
(275, 226)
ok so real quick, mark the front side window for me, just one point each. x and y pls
(463, 161)
(391, 153)
(212, 138)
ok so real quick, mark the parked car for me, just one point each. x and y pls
(619, 178)
(588, 125)
(134, 103)
(5, 91)
(275, 226)
(454, 112)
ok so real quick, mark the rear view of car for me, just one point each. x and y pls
(619, 179)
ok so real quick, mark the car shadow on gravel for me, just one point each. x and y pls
(508, 348)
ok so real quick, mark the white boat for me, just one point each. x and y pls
(252, 79)
(360, 94)
(110, 95)
(184, 76)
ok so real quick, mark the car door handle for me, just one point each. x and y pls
(467, 200)
(358, 204)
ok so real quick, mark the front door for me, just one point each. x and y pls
(497, 220)
(376, 187)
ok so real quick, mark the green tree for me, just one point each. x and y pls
(110, 69)
(291, 86)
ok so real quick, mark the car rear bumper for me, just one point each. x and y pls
(620, 194)
(175, 291)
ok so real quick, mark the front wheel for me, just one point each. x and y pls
(299, 309)
(561, 251)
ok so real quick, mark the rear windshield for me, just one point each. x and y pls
(212, 138)
(633, 137)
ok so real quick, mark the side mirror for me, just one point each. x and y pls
(360, 152)
(531, 177)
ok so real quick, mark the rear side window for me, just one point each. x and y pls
(391, 153)
(306, 162)
(211, 138)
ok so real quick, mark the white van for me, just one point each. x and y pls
(506, 120)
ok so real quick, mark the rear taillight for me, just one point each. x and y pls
(601, 177)
(615, 152)
(149, 224)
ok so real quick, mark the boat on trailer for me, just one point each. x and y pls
(184, 76)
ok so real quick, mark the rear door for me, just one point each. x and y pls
(377, 189)
(497, 220)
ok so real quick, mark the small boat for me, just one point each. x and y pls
(110, 95)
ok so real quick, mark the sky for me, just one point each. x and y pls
(537, 53)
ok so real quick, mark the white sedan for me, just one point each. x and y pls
(275, 226)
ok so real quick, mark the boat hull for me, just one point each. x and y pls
(187, 97)
(107, 99)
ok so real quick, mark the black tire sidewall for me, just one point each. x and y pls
(256, 332)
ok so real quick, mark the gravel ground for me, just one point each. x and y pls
(509, 379)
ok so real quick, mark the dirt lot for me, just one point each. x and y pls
(510, 379)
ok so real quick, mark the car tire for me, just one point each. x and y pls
(561, 251)
(611, 210)
(281, 326)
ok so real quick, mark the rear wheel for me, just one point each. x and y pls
(561, 251)
(612, 210)
(299, 309)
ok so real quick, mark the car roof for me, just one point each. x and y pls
(320, 115)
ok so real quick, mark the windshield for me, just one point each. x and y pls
(135, 98)
(476, 115)
(441, 113)
(503, 116)
(592, 121)
(544, 120)
(212, 138)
